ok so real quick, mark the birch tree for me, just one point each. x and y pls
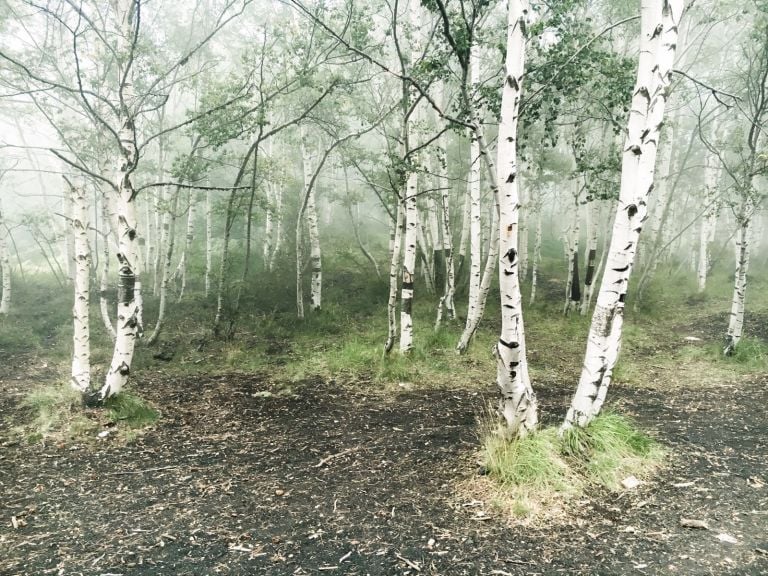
(659, 30)
(5, 267)
(81, 355)
(518, 401)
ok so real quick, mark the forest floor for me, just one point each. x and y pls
(247, 474)
(293, 448)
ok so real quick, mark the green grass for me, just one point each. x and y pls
(611, 448)
(130, 410)
(55, 410)
(530, 473)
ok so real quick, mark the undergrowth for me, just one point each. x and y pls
(56, 411)
(529, 474)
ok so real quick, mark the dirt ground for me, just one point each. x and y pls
(240, 477)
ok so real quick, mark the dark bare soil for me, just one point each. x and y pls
(317, 480)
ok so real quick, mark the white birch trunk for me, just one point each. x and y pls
(189, 237)
(395, 252)
(465, 223)
(709, 219)
(449, 288)
(269, 225)
(409, 263)
(166, 270)
(473, 188)
(315, 254)
(129, 283)
(208, 242)
(518, 402)
(659, 30)
(81, 355)
(5, 268)
(278, 198)
(572, 296)
(411, 216)
(593, 217)
(736, 318)
(536, 257)
(104, 280)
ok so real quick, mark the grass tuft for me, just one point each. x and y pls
(535, 473)
(131, 410)
(611, 448)
(56, 409)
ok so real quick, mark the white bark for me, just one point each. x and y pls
(409, 263)
(709, 219)
(5, 268)
(81, 355)
(104, 281)
(572, 296)
(189, 237)
(269, 226)
(411, 215)
(464, 238)
(536, 257)
(395, 252)
(659, 29)
(518, 402)
(129, 284)
(473, 188)
(449, 288)
(736, 318)
(278, 198)
(593, 218)
(167, 261)
(315, 253)
(208, 242)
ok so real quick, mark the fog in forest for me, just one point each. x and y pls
(526, 238)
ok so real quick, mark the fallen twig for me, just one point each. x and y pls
(411, 564)
(141, 471)
(327, 459)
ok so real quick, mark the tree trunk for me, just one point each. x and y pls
(104, 281)
(473, 189)
(208, 242)
(397, 231)
(709, 219)
(572, 286)
(81, 355)
(466, 216)
(409, 263)
(167, 261)
(536, 257)
(315, 253)
(736, 319)
(129, 302)
(189, 237)
(659, 26)
(446, 301)
(593, 217)
(278, 198)
(518, 402)
(351, 205)
(5, 268)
